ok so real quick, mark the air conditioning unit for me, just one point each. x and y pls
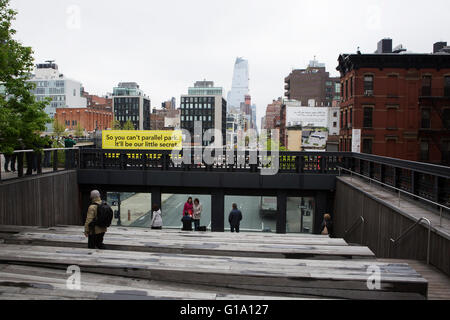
(368, 93)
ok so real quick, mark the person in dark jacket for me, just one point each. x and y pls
(187, 222)
(327, 225)
(235, 218)
(70, 154)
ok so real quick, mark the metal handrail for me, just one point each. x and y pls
(49, 149)
(410, 229)
(441, 206)
(354, 225)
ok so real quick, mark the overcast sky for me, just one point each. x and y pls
(167, 45)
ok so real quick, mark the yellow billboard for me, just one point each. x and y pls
(142, 140)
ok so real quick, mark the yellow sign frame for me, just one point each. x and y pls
(142, 140)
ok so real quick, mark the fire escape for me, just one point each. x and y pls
(435, 101)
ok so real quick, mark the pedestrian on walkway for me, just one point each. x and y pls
(187, 222)
(235, 218)
(327, 225)
(156, 219)
(188, 207)
(198, 208)
(94, 232)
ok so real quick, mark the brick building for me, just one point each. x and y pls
(88, 118)
(273, 113)
(400, 102)
(165, 119)
(313, 86)
(96, 116)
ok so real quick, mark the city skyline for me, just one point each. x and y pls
(274, 37)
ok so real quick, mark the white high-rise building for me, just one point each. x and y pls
(240, 85)
(63, 92)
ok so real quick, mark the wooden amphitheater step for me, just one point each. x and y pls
(201, 244)
(345, 279)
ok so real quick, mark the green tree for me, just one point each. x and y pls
(58, 128)
(116, 125)
(79, 131)
(128, 126)
(22, 118)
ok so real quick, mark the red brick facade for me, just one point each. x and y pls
(97, 116)
(404, 113)
(89, 119)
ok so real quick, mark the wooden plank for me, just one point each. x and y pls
(194, 246)
(40, 284)
(346, 279)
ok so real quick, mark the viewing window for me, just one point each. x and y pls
(368, 85)
(368, 117)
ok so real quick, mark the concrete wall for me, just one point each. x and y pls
(45, 200)
(383, 223)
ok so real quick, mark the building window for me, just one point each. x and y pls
(426, 119)
(346, 89)
(424, 151)
(447, 86)
(392, 86)
(367, 146)
(351, 87)
(426, 86)
(446, 118)
(446, 152)
(368, 117)
(391, 118)
(351, 118)
(368, 85)
(334, 124)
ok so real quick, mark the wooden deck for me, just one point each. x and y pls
(178, 242)
(36, 283)
(330, 279)
(195, 265)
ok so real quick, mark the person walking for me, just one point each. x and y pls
(327, 225)
(198, 208)
(156, 219)
(235, 218)
(94, 233)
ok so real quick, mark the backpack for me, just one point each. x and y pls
(104, 215)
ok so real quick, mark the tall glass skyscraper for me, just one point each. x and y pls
(240, 85)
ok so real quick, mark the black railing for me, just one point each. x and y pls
(429, 181)
(424, 180)
(28, 162)
(248, 161)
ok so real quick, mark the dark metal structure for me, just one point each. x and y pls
(300, 174)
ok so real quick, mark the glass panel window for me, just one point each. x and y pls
(447, 86)
(367, 146)
(368, 85)
(368, 117)
(426, 119)
(426, 85)
(424, 151)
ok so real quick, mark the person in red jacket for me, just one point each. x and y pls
(188, 207)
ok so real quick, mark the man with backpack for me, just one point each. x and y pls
(99, 217)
